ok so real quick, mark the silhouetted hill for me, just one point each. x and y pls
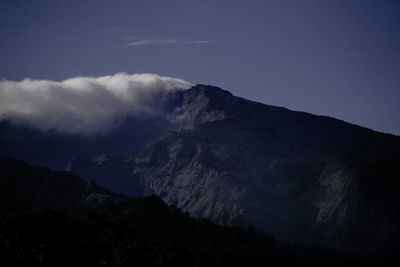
(25, 187)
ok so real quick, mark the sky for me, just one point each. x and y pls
(335, 58)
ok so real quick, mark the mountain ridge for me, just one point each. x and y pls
(290, 173)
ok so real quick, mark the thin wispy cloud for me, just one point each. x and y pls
(152, 42)
(200, 42)
(116, 29)
(134, 41)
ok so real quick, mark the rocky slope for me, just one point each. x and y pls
(303, 177)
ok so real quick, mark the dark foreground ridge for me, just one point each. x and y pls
(97, 228)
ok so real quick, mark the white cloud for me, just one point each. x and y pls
(84, 105)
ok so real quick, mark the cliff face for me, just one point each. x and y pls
(302, 177)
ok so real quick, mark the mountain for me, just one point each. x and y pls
(53, 218)
(306, 178)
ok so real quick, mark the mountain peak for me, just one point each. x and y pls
(202, 103)
(210, 90)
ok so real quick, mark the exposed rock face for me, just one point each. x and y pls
(302, 177)
(200, 104)
(358, 206)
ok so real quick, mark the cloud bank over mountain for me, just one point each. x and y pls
(85, 105)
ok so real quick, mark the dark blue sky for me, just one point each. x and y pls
(335, 58)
